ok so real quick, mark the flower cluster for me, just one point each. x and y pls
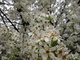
(39, 40)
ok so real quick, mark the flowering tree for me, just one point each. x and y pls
(40, 30)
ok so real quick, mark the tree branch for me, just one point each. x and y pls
(4, 22)
(9, 21)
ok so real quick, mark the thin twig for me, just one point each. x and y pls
(4, 22)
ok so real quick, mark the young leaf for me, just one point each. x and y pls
(54, 43)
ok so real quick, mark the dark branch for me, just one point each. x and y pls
(9, 21)
(23, 22)
(78, 2)
(4, 22)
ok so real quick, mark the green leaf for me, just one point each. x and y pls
(72, 25)
(36, 53)
(71, 59)
(49, 18)
(55, 50)
(74, 59)
(70, 14)
(11, 57)
(54, 43)
(77, 59)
